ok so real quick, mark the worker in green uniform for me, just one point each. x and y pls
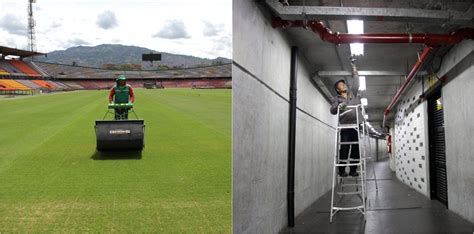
(121, 93)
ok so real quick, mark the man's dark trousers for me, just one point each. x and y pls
(349, 135)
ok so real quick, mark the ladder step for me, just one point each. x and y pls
(348, 160)
(344, 185)
(347, 126)
(354, 179)
(347, 164)
(348, 143)
(348, 208)
(349, 193)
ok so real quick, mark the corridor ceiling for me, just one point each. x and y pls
(394, 58)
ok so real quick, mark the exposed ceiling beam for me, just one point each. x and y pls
(365, 73)
(371, 14)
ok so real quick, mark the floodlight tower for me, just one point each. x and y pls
(31, 27)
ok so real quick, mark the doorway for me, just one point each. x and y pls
(437, 148)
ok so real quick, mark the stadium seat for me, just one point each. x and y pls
(3, 72)
(37, 68)
(29, 83)
(12, 84)
(72, 85)
(22, 66)
(9, 68)
(78, 77)
(44, 84)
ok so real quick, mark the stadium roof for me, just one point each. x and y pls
(16, 52)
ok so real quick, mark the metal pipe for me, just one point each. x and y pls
(344, 38)
(430, 40)
(411, 75)
(292, 137)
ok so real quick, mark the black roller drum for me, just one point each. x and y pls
(120, 135)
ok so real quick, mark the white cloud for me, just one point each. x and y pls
(211, 29)
(12, 24)
(173, 29)
(59, 23)
(222, 44)
(107, 20)
(76, 42)
(56, 25)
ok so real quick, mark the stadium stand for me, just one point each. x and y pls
(6, 66)
(75, 72)
(37, 68)
(44, 76)
(3, 72)
(44, 84)
(96, 84)
(29, 84)
(72, 85)
(12, 84)
(58, 84)
(201, 77)
(184, 84)
(23, 67)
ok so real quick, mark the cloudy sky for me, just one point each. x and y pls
(199, 28)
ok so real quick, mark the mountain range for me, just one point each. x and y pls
(97, 56)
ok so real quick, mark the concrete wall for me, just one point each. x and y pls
(260, 127)
(314, 143)
(411, 132)
(371, 149)
(459, 132)
(382, 149)
(411, 137)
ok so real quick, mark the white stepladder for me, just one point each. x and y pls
(360, 188)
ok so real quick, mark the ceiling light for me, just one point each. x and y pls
(364, 101)
(362, 83)
(356, 27)
(357, 49)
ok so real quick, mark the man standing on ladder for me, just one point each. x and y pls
(345, 97)
(121, 93)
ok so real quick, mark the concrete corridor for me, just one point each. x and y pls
(289, 58)
(395, 208)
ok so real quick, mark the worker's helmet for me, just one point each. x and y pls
(337, 82)
(121, 77)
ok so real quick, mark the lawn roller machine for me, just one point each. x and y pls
(120, 133)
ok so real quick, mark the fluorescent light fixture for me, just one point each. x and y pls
(364, 101)
(362, 83)
(357, 49)
(356, 27)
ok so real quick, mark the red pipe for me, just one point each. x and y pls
(410, 77)
(430, 40)
(343, 38)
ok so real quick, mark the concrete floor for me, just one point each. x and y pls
(395, 208)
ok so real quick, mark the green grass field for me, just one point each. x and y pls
(52, 180)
